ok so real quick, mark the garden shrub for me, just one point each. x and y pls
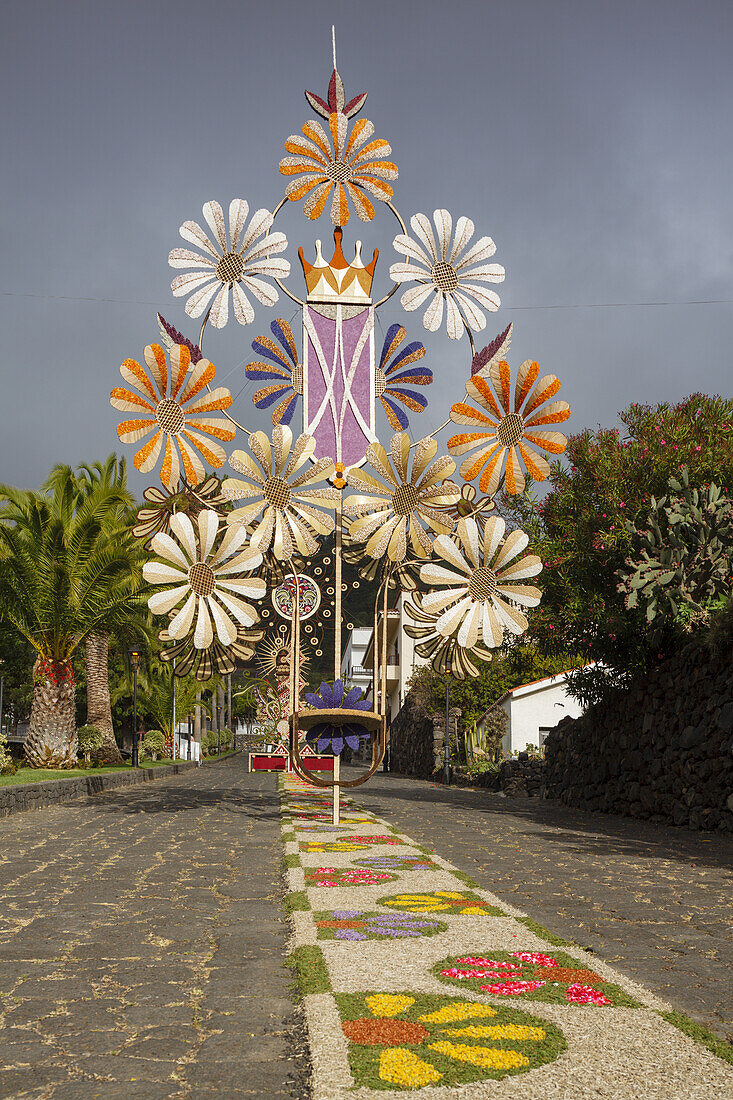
(89, 739)
(153, 743)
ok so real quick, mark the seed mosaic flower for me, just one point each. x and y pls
(398, 863)
(347, 844)
(456, 902)
(535, 976)
(355, 925)
(401, 1041)
(334, 876)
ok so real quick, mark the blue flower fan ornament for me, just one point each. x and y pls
(332, 732)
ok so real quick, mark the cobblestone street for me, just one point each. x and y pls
(143, 942)
(652, 900)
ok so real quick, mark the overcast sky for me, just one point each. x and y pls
(591, 139)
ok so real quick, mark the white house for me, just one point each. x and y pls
(401, 657)
(534, 709)
(353, 670)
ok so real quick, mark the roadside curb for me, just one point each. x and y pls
(34, 796)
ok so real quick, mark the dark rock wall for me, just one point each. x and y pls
(663, 750)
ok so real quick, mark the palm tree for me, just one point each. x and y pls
(75, 487)
(158, 687)
(61, 578)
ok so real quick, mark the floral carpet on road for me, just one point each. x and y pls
(414, 980)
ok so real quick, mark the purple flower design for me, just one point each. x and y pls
(393, 378)
(349, 934)
(285, 377)
(335, 733)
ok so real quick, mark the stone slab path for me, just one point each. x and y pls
(142, 942)
(417, 980)
(652, 900)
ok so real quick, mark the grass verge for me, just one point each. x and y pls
(700, 1034)
(310, 970)
(297, 902)
(544, 934)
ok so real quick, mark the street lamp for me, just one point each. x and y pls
(219, 710)
(446, 743)
(135, 662)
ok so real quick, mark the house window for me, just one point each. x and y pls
(543, 732)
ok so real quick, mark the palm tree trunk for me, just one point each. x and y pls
(99, 704)
(51, 741)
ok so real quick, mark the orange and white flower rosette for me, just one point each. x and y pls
(502, 433)
(173, 409)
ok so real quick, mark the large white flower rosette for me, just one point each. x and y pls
(474, 596)
(211, 584)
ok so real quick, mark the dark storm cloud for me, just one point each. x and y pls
(591, 140)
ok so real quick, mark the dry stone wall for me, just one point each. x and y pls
(662, 750)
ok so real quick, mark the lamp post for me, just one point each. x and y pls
(446, 743)
(135, 662)
(219, 710)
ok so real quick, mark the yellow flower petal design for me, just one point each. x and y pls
(484, 1057)
(473, 910)
(448, 894)
(520, 1033)
(402, 1067)
(384, 1004)
(450, 1013)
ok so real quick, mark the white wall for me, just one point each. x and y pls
(528, 710)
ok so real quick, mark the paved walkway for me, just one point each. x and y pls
(652, 900)
(141, 945)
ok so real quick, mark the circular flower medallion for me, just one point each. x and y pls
(309, 597)
(410, 1040)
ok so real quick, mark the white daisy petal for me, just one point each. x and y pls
(208, 523)
(263, 292)
(486, 298)
(243, 310)
(415, 296)
(203, 635)
(468, 633)
(180, 624)
(407, 273)
(481, 250)
(181, 257)
(423, 230)
(238, 210)
(404, 244)
(184, 284)
(192, 232)
(433, 316)
(225, 629)
(444, 225)
(163, 602)
(454, 322)
(259, 224)
(474, 317)
(155, 572)
(166, 547)
(214, 215)
(198, 302)
(464, 232)
(220, 307)
(182, 527)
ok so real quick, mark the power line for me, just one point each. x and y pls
(508, 309)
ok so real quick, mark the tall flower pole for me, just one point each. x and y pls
(403, 519)
(446, 743)
(135, 662)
